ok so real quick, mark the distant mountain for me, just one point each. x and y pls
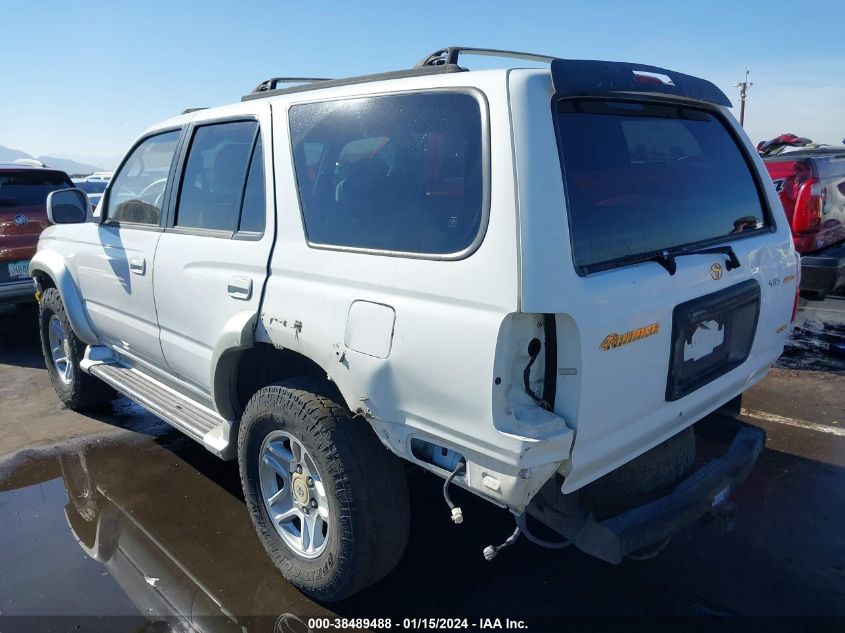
(69, 166)
(8, 155)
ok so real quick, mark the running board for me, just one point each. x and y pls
(195, 420)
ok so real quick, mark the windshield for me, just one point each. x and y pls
(30, 188)
(641, 178)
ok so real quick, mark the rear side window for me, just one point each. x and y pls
(254, 205)
(21, 188)
(399, 173)
(215, 172)
(137, 191)
(642, 178)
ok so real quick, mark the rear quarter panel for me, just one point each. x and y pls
(436, 374)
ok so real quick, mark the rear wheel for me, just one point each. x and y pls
(329, 502)
(62, 353)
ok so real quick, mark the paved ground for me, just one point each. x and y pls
(114, 514)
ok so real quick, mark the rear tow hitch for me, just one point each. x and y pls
(725, 514)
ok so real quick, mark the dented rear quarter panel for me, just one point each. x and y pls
(436, 379)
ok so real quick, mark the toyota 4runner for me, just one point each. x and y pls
(530, 282)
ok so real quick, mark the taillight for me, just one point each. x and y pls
(808, 207)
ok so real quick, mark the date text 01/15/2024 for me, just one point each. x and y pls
(417, 624)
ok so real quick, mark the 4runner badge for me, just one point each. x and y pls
(612, 341)
(716, 271)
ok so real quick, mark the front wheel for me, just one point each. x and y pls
(62, 353)
(329, 502)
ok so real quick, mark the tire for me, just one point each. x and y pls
(79, 485)
(365, 491)
(76, 389)
(650, 476)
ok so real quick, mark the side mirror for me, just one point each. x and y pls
(67, 206)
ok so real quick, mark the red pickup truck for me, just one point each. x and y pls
(811, 186)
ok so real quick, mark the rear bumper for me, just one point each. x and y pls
(824, 271)
(705, 492)
(17, 292)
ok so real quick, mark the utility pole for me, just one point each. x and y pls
(743, 94)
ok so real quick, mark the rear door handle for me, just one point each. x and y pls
(240, 288)
(138, 265)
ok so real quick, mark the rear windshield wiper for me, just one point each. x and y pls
(667, 258)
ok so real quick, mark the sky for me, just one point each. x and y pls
(82, 79)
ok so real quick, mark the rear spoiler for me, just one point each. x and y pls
(581, 77)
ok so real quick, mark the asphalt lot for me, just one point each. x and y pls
(114, 514)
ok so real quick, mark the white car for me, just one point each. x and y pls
(529, 282)
(99, 176)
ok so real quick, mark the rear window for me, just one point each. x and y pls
(30, 188)
(643, 178)
(92, 186)
(399, 173)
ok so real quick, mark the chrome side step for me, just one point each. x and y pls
(193, 419)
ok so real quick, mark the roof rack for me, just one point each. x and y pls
(334, 83)
(273, 82)
(450, 55)
(571, 77)
(189, 110)
(28, 162)
(441, 61)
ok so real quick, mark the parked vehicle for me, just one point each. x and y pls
(433, 265)
(94, 189)
(99, 176)
(783, 143)
(23, 215)
(811, 187)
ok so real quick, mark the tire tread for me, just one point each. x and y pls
(376, 515)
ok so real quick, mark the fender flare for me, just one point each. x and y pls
(53, 265)
(237, 335)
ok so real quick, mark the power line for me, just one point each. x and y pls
(743, 95)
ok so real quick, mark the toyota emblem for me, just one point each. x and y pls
(716, 271)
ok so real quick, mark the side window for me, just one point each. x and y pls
(254, 206)
(213, 182)
(137, 191)
(401, 173)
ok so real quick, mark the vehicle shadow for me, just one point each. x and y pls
(115, 253)
(20, 344)
(176, 518)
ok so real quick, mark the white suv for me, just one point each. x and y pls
(530, 282)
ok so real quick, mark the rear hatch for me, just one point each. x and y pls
(23, 215)
(676, 290)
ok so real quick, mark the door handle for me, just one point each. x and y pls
(240, 288)
(138, 265)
